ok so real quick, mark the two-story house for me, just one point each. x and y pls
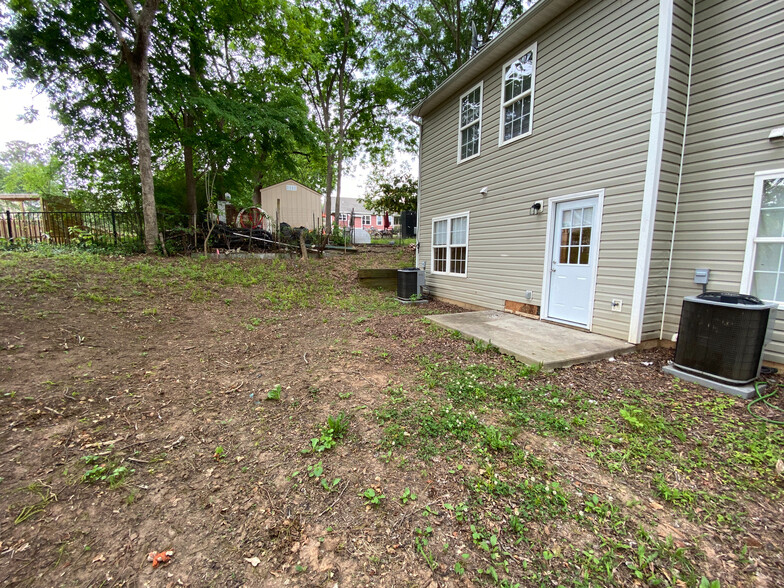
(632, 143)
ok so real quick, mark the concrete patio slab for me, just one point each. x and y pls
(532, 341)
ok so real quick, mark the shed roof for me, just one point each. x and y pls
(508, 40)
(290, 181)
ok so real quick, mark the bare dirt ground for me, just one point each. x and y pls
(273, 423)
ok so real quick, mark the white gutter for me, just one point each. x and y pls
(652, 169)
(680, 169)
(419, 189)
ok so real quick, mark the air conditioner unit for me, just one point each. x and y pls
(722, 336)
(410, 283)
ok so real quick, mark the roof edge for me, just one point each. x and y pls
(527, 23)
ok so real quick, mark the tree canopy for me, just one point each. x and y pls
(165, 103)
(392, 192)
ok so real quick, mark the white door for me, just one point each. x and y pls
(574, 251)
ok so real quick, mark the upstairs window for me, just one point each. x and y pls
(470, 123)
(763, 268)
(517, 96)
(450, 245)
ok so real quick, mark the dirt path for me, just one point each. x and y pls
(135, 415)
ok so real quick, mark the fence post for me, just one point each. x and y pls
(10, 226)
(114, 228)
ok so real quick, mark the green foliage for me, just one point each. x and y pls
(105, 472)
(372, 497)
(392, 193)
(274, 392)
(334, 430)
(407, 496)
(428, 41)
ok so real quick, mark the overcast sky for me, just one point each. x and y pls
(14, 101)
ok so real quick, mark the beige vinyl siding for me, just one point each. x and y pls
(671, 160)
(737, 89)
(591, 118)
(300, 208)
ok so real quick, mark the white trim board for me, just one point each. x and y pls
(652, 169)
(548, 254)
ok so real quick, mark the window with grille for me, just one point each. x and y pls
(763, 271)
(450, 245)
(470, 123)
(517, 96)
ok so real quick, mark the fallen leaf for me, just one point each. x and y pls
(656, 505)
(254, 561)
(780, 467)
(752, 542)
(99, 557)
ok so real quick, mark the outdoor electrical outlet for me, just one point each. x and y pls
(616, 305)
(529, 294)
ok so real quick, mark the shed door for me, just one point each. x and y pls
(574, 253)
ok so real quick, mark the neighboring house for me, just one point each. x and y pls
(650, 135)
(291, 202)
(363, 218)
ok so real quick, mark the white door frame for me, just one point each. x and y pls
(548, 255)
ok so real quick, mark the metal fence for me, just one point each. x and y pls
(64, 228)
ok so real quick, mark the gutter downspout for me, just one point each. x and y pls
(680, 169)
(652, 169)
(418, 122)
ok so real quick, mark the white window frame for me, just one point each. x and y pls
(365, 220)
(504, 104)
(449, 245)
(478, 121)
(752, 240)
(379, 219)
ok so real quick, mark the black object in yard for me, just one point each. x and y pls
(410, 282)
(722, 336)
(408, 223)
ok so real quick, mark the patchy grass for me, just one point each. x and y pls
(275, 410)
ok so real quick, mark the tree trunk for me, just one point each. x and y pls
(338, 181)
(140, 76)
(190, 177)
(328, 197)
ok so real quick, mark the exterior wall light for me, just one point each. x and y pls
(776, 134)
(536, 208)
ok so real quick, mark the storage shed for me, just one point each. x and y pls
(293, 203)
